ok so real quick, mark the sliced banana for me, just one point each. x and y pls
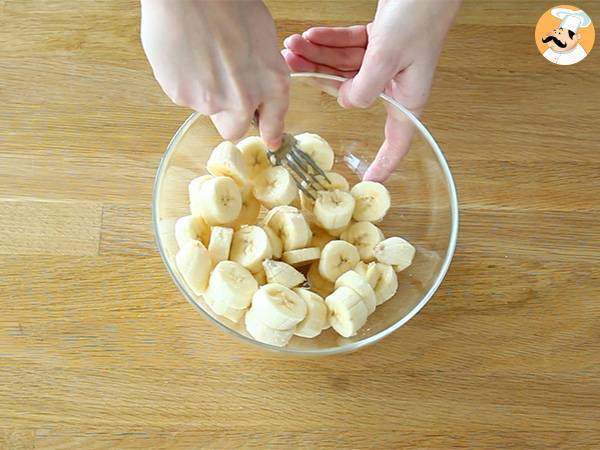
(232, 285)
(337, 257)
(263, 333)
(250, 210)
(260, 277)
(191, 228)
(290, 225)
(193, 262)
(302, 256)
(194, 188)
(396, 252)
(372, 201)
(282, 273)
(274, 187)
(347, 311)
(320, 237)
(317, 314)
(226, 160)
(360, 285)
(336, 182)
(333, 209)
(276, 245)
(278, 307)
(220, 244)
(384, 281)
(364, 236)
(317, 148)
(337, 232)
(254, 151)
(222, 309)
(250, 247)
(219, 201)
(361, 268)
(274, 216)
(317, 283)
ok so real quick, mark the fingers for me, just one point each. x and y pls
(354, 36)
(377, 70)
(297, 63)
(342, 58)
(232, 124)
(271, 114)
(399, 132)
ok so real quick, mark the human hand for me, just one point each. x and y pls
(220, 58)
(397, 54)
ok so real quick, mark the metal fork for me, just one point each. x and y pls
(303, 168)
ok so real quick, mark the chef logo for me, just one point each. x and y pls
(564, 35)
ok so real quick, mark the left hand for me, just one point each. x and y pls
(392, 54)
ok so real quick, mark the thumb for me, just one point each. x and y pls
(378, 68)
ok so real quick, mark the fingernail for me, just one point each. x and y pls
(286, 41)
(341, 102)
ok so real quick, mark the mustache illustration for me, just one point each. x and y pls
(556, 41)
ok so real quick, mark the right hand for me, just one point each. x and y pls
(220, 58)
(397, 54)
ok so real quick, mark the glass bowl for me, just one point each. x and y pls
(424, 202)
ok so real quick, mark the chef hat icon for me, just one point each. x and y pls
(571, 20)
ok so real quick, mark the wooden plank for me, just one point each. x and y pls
(49, 228)
(98, 348)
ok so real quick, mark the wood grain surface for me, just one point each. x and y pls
(99, 350)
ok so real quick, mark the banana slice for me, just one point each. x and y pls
(337, 232)
(333, 209)
(361, 269)
(361, 286)
(232, 285)
(302, 256)
(274, 187)
(250, 247)
(320, 237)
(274, 215)
(317, 314)
(347, 312)
(282, 273)
(219, 201)
(317, 283)
(220, 244)
(260, 277)
(384, 281)
(337, 257)
(364, 236)
(191, 228)
(317, 148)
(372, 201)
(194, 187)
(193, 262)
(263, 333)
(254, 151)
(278, 307)
(249, 212)
(290, 225)
(337, 182)
(396, 252)
(276, 245)
(222, 309)
(226, 160)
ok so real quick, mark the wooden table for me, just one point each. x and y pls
(99, 350)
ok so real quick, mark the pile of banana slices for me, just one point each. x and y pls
(306, 265)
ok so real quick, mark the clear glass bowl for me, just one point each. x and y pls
(424, 201)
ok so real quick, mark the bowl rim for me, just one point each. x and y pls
(353, 346)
